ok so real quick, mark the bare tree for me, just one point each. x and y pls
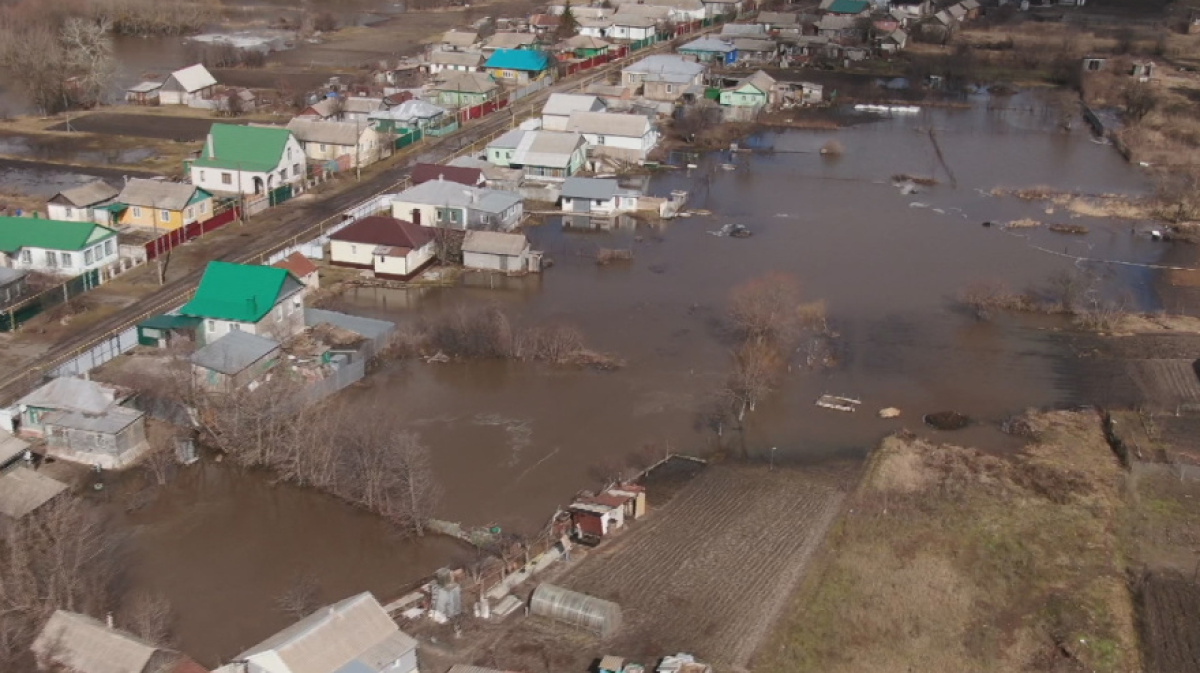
(1178, 196)
(416, 487)
(768, 309)
(89, 58)
(149, 616)
(447, 245)
(1140, 100)
(63, 556)
(37, 61)
(234, 107)
(756, 370)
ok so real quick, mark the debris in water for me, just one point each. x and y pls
(733, 231)
(1076, 229)
(438, 357)
(939, 211)
(889, 412)
(1023, 223)
(838, 403)
(832, 148)
(947, 420)
(909, 188)
(1156, 234)
(987, 223)
(728, 167)
(690, 166)
(918, 204)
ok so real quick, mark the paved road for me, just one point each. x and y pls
(296, 219)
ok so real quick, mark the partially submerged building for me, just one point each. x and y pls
(354, 635)
(602, 196)
(233, 361)
(497, 251)
(441, 203)
(23, 491)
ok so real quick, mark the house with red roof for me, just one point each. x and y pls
(302, 268)
(390, 247)
(463, 175)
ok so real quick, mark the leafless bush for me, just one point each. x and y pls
(1140, 100)
(325, 22)
(473, 333)
(301, 597)
(149, 616)
(986, 296)
(559, 344)
(63, 556)
(757, 367)
(1177, 196)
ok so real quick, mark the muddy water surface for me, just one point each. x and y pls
(514, 440)
(222, 544)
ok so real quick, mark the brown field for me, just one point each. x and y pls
(949, 559)
(1170, 624)
(709, 572)
(161, 127)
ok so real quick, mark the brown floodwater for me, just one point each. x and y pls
(512, 441)
(221, 544)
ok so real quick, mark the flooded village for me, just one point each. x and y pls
(671, 335)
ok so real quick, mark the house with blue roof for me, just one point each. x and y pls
(710, 50)
(518, 66)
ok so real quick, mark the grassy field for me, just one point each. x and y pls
(949, 559)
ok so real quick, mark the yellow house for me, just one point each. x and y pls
(163, 205)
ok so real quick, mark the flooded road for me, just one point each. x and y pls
(520, 439)
(222, 544)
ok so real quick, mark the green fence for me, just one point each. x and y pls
(279, 195)
(445, 129)
(406, 137)
(22, 311)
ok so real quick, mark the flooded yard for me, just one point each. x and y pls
(520, 439)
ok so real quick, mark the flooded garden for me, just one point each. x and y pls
(511, 441)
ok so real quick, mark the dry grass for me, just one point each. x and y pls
(949, 559)
(1137, 323)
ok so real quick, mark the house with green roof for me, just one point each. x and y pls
(518, 66)
(262, 300)
(248, 160)
(56, 246)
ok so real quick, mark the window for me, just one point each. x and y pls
(296, 170)
(670, 88)
(164, 215)
(108, 248)
(204, 206)
(191, 212)
(227, 178)
(67, 211)
(26, 257)
(236, 327)
(283, 174)
(201, 176)
(599, 140)
(66, 259)
(322, 146)
(598, 202)
(137, 212)
(88, 257)
(354, 250)
(289, 153)
(51, 258)
(210, 326)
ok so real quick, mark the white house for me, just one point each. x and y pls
(91, 202)
(498, 251)
(390, 247)
(54, 246)
(187, 85)
(628, 137)
(632, 27)
(598, 27)
(558, 108)
(597, 195)
(262, 300)
(442, 203)
(354, 634)
(354, 143)
(461, 61)
(248, 160)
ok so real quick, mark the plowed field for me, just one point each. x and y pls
(1170, 623)
(710, 571)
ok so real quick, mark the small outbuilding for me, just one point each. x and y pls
(188, 85)
(498, 251)
(22, 492)
(302, 268)
(233, 361)
(598, 616)
(143, 93)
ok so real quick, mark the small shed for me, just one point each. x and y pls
(143, 93)
(24, 491)
(498, 251)
(235, 360)
(11, 449)
(160, 331)
(13, 285)
(596, 615)
(596, 516)
(302, 268)
(633, 498)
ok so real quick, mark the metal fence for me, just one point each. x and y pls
(98, 354)
(25, 310)
(345, 375)
(223, 215)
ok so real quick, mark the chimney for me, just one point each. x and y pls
(211, 153)
(441, 177)
(108, 619)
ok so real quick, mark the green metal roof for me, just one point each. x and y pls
(244, 148)
(113, 207)
(34, 232)
(168, 321)
(239, 292)
(198, 196)
(848, 6)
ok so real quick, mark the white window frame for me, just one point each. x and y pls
(66, 260)
(68, 210)
(137, 211)
(164, 215)
(210, 326)
(227, 178)
(26, 256)
(108, 248)
(89, 257)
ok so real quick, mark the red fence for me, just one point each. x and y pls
(169, 240)
(482, 110)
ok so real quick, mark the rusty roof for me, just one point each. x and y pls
(385, 231)
(298, 264)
